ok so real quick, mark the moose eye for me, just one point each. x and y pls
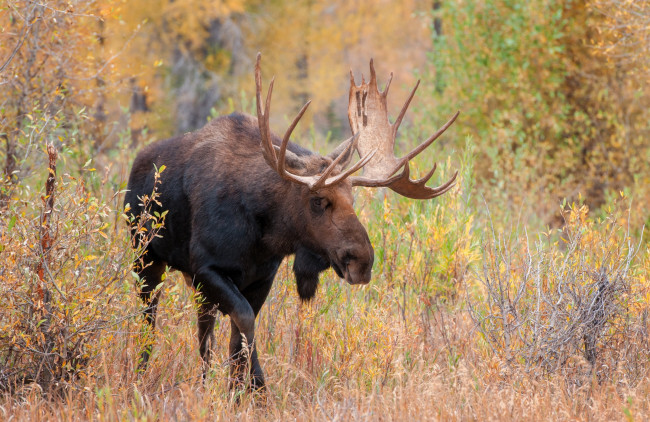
(318, 205)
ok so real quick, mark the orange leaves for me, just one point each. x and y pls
(625, 38)
(316, 43)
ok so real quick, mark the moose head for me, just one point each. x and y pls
(327, 197)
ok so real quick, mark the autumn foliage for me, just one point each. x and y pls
(522, 294)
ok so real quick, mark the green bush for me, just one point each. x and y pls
(551, 116)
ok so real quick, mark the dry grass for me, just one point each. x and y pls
(351, 362)
(403, 347)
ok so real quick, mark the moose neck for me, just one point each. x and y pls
(287, 228)
(295, 221)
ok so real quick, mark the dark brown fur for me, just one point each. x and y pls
(232, 219)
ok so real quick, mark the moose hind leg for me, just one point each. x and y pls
(207, 314)
(151, 277)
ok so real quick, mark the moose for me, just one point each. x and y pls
(239, 200)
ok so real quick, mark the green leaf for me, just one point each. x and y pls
(12, 222)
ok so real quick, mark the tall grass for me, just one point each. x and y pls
(463, 320)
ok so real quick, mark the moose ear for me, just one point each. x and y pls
(291, 160)
(307, 266)
(344, 148)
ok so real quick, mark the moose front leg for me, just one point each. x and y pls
(231, 301)
(243, 358)
(256, 295)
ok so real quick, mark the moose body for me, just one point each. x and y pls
(241, 226)
(239, 200)
(228, 234)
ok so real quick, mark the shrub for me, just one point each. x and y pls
(427, 247)
(551, 115)
(571, 298)
(64, 283)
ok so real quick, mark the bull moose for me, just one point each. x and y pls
(239, 199)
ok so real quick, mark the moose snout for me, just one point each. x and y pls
(356, 266)
(358, 273)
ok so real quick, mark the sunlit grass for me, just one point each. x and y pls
(403, 346)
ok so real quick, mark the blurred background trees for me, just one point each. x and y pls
(553, 113)
(553, 94)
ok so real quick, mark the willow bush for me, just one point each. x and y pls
(572, 299)
(65, 284)
(552, 115)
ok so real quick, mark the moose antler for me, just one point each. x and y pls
(275, 156)
(368, 115)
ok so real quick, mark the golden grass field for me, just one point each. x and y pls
(404, 347)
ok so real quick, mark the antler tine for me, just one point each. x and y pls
(402, 112)
(323, 178)
(278, 164)
(362, 162)
(429, 141)
(263, 116)
(445, 187)
(267, 138)
(285, 141)
(352, 81)
(390, 79)
(427, 176)
(258, 85)
(373, 74)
